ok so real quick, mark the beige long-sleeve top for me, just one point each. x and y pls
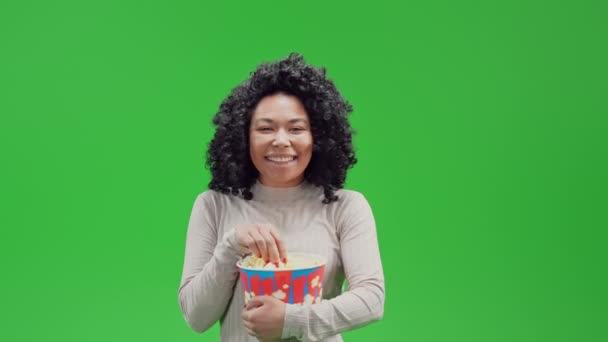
(344, 232)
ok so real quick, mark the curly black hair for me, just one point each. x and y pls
(228, 155)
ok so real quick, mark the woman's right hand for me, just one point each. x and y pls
(261, 240)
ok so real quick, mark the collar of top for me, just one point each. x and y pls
(265, 193)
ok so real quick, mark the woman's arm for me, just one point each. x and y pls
(364, 301)
(209, 268)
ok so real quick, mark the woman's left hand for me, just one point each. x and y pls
(263, 317)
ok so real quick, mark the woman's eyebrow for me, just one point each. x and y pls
(297, 120)
(264, 120)
(290, 121)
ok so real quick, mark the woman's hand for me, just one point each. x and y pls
(262, 240)
(263, 318)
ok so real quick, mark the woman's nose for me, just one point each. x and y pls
(281, 139)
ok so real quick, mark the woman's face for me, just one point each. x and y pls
(280, 141)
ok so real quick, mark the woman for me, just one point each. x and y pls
(278, 161)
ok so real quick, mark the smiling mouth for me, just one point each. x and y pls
(281, 160)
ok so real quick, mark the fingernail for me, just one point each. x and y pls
(284, 260)
(267, 260)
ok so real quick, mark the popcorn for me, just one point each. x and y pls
(252, 261)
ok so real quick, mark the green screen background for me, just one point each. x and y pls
(481, 144)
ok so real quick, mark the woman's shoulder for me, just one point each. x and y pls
(209, 195)
(348, 198)
(349, 195)
(350, 207)
(213, 199)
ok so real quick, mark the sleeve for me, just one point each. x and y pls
(210, 271)
(363, 303)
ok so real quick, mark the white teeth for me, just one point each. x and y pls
(281, 159)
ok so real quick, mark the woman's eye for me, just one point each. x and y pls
(264, 129)
(297, 129)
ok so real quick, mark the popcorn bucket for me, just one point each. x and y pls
(301, 283)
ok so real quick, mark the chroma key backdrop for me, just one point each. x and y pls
(481, 139)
